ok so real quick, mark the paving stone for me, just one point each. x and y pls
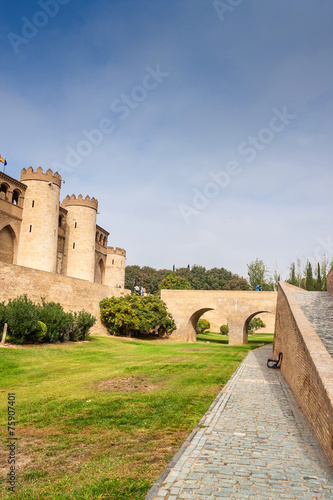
(318, 308)
(257, 444)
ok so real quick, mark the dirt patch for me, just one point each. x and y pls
(130, 384)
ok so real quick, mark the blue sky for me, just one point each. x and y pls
(158, 99)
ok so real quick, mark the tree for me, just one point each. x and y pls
(319, 281)
(309, 283)
(133, 315)
(258, 274)
(174, 282)
(256, 324)
(292, 275)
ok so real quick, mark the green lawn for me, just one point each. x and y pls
(101, 419)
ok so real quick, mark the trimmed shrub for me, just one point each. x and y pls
(42, 330)
(203, 325)
(22, 318)
(224, 329)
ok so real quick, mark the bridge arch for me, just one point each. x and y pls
(247, 321)
(192, 323)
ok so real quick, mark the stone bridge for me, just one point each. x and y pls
(238, 307)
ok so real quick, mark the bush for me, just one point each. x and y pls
(22, 319)
(3, 317)
(203, 325)
(134, 315)
(82, 322)
(29, 322)
(57, 321)
(224, 329)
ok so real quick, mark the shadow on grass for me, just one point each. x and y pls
(217, 338)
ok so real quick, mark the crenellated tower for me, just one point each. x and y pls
(79, 260)
(115, 267)
(39, 229)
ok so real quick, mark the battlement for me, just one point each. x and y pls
(117, 251)
(29, 174)
(80, 201)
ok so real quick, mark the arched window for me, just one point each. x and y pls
(101, 239)
(15, 197)
(105, 241)
(97, 236)
(3, 191)
(60, 220)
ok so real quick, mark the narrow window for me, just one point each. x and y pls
(33, 203)
(112, 261)
(75, 225)
(73, 246)
(30, 228)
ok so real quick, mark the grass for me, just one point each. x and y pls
(101, 419)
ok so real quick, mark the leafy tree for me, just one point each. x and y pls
(133, 315)
(256, 324)
(198, 277)
(174, 282)
(258, 274)
(237, 283)
(203, 325)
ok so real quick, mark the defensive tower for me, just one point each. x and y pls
(80, 236)
(115, 267)
(39, 230)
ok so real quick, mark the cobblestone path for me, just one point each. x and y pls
(254, 442)
(318, 308)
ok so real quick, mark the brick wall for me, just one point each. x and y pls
(307, 366)
(72, 293)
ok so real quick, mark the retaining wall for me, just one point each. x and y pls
(73, 294)
(307, 365)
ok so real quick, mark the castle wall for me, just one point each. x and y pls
(80, 239)
(37, 233)
(115, 268)
(39, 229)
(72, 293)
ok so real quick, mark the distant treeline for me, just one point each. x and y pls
(199, 277)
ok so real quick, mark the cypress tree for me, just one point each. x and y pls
(309, 285)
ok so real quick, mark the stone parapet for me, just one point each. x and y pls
(117, 251)
(38, 175)
(80, 201)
